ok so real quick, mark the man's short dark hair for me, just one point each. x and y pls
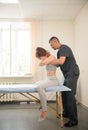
(53, 38)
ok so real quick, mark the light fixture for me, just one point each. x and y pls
(9, 1)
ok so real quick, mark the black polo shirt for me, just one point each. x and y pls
(70, 62)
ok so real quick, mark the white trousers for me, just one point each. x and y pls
(51, 81)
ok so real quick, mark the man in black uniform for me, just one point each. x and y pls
(67, 63)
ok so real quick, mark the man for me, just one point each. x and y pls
(67, 63)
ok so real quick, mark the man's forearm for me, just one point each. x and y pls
(59, 61)
(55, 62)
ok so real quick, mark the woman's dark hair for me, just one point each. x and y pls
(41, 52)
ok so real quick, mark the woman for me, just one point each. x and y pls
(51, 80)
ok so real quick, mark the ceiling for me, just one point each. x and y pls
(43, 9)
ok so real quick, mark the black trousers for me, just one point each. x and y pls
(68, 98)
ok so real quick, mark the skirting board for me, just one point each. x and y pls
(85, 107)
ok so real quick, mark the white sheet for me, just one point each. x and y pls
(22, 88)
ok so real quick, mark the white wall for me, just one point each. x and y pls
(62, 29)
(42, 31)
(74, 34)
(81, 47)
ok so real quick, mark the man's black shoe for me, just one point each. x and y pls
(71, 123)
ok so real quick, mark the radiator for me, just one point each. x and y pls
(7, 97)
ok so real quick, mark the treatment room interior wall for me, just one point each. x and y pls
(63, 30)
(81, 48)
(73, 33)
(41, 32)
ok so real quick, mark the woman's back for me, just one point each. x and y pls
(51, 70)
(50, 67)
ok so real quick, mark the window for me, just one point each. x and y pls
(15, 48)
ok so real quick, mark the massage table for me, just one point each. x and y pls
(32, 88)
